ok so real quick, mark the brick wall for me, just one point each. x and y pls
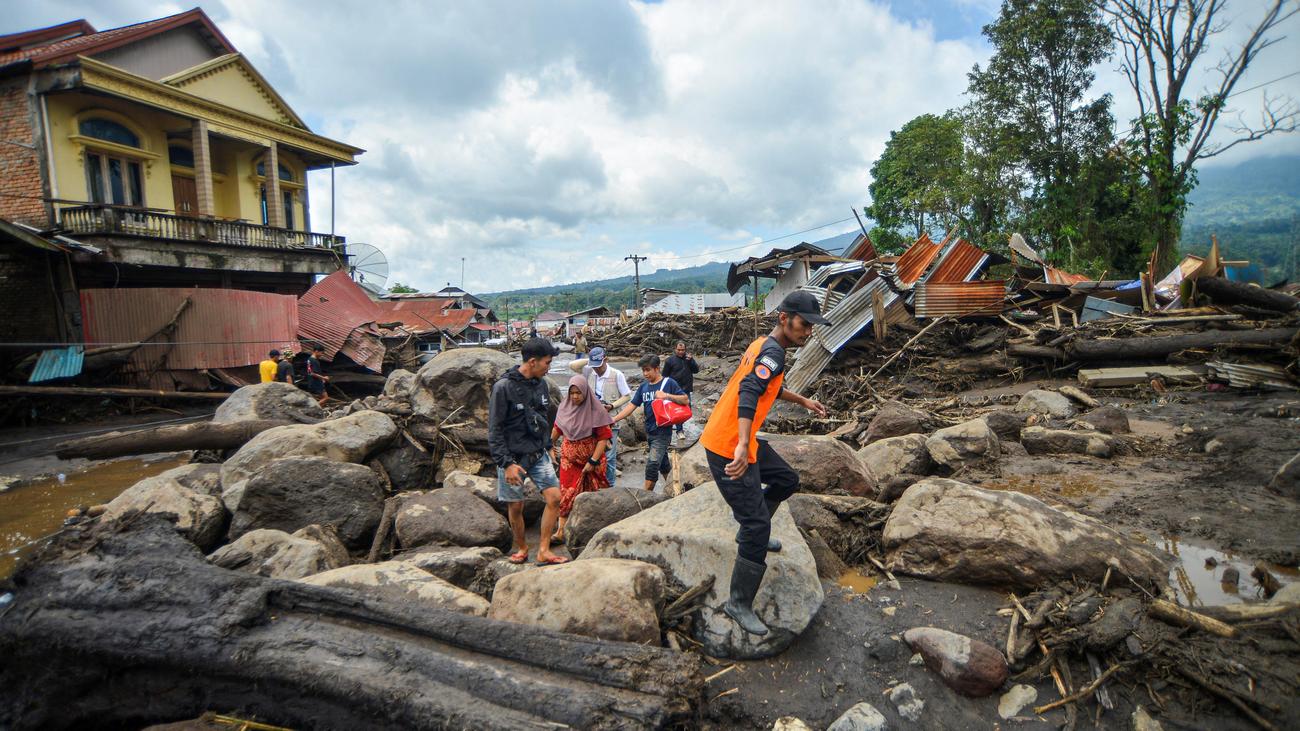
(26, 298)
(20, 165)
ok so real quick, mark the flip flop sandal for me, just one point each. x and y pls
(553, 562)
(518, 557)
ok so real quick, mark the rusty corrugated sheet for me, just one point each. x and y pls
(1052, 275)
(861, 249)
(956, 299)
(913, 263)
(332, 309)
(219, 328)
(959, 264)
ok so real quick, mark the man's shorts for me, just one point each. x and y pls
(542, 472)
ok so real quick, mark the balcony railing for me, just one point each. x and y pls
(127, 221)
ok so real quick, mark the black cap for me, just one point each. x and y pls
(805, 305)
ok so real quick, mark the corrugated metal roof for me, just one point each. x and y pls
(1251, 375)
(687, 304)
(1059, 276)
(58, 363)
(861, 249)
(426, 316)
(219, 328)
(959, 264)
(809, 362)
(913, 263)
(332, 309)
(957, 299)
(848, 318)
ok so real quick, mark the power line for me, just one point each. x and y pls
(1260, 86)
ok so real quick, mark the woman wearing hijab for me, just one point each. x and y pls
(585, 426)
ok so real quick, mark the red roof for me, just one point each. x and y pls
(427, 315)
(913, 263)
(89, 42)
(959, 263)
(330, 311)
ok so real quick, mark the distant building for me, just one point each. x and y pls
(651, 295)
(550, 321)
(594, 320)
(696, 304)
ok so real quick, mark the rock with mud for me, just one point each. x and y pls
(956, 446)
(1108, 419)
(1047, 403)
(606, 598)
(204, 479)
(294, 492)
(471, 463)
(906, 701)
(947, 530)
(893, 419)
(826, 466)
(460, 381)
(790, 723)
(592, 511)
(496, 570)
(1040, 440)
(451, 516)
(692, 537)
(399, 385)
(1014, 701)
(1116, 622)
(409, 465)
(453, 564)
(348, 439)
(968, 666)
(840, 520)
(1006, 424)
(1287, 480)
(199, 517)
(279, 401)
(485, 488)
(888, 458)
(279, 555)
(400, 582)
(861, 717)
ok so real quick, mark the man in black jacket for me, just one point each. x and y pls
(519, 435)
(681, 367)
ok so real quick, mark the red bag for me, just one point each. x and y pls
(670, 413)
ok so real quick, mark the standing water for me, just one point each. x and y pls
(31, 510)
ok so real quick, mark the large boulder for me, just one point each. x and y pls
(451, 516)
(199, 517)
(1047, 403)
(893, 456)
(279, 555)
(409, 465)
(461, 380)
(204, 479)
(278, 401)
(970, 667)
(607, 598)
(351, 438)
(453, 564)
(401, 582)
(1286, 481)
(958, 445)
(399, 385)
(295, 492)
(825, 465)
(949, 531)
(1039, 440)
(485, 488)
(692, 537)
(1006, 424)
(894, 420)
(593, 511)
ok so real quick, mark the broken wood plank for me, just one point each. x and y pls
(175, 438)
(1174, 614)
(126, 392)
(1131, 376)
(1080, 396)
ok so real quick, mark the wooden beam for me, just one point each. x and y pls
(124, 392)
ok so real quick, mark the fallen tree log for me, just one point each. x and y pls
(111, 628)
(128, 392)
(204, 435)
(1159, 346)
(1228, 292)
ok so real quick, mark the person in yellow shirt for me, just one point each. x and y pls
(267, 368)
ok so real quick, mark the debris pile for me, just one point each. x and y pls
(724, 333)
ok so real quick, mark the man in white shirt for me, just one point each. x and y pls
(609, 384)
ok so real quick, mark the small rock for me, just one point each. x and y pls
(1048, 403)
(1142, 721)
(1107, 419)
(1231, 576)
(968, 666)
(790, 723)
(1014, 700)
(908, 703)
(1289, 594)
(916, 659)
(958, 445)
(861, 717)
(889, 611)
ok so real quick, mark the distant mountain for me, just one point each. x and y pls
(1252, 208)
(713, 272)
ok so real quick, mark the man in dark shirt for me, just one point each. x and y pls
(681, 367)
(284, 370)
(655, 386)
(519, 436)
(316, 378)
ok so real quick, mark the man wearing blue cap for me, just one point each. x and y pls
(609, 384)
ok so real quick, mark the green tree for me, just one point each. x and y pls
(917, 183)
(399, 288)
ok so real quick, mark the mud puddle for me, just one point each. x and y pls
(33, 509)
(1198, 575)
(1063, 485)
(857, 582)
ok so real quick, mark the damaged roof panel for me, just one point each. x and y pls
(332, 309)
(913, 263)
(959, 264)
(957, 299)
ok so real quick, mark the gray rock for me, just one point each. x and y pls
(909, 704)
(592, 511)
(838, 519)
(1108, 419)
(1047, 403)
(204, 479)
(278, 401)
(1039, 440)
(1006, 424)
(450, 516)
(692, 537)
(968, 666)
(453, 564)
(295, 492)
(790, 723)
(893, 419)
(606, 598)
(959, 445)
(1116, 622)
(279, 555)
(408, 464)
(495, 571)
(1289, 594)
(471, 463)
(399, 582)
(461, 380)
(825, 465)
(861, 717)
(200, 518)
(485, 488)
(888, 458)
(399, 385)
(1014, 701)
(947, 530)
(1142, 721)
(1287, 479)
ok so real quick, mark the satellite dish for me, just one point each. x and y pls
(367, 265)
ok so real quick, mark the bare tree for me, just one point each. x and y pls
(1162, 43)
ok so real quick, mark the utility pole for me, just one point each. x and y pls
(636, 266)
(462, 274)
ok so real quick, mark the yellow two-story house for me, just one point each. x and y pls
(153, 155)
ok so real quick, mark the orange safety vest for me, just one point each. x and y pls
(721, 433)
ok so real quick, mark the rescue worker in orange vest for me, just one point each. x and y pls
(741, 464)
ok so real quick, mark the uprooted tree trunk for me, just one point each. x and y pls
(1160, 346)
(1226, 291)
(112, 628)
(204, 435)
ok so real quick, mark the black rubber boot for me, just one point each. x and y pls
(745, 579)
(773, 545)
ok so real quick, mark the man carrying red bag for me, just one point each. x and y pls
(655, 387)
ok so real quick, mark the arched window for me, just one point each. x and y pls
(180, 155)
(108, 130)
(285, 173)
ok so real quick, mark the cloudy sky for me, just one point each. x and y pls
(545, 141)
